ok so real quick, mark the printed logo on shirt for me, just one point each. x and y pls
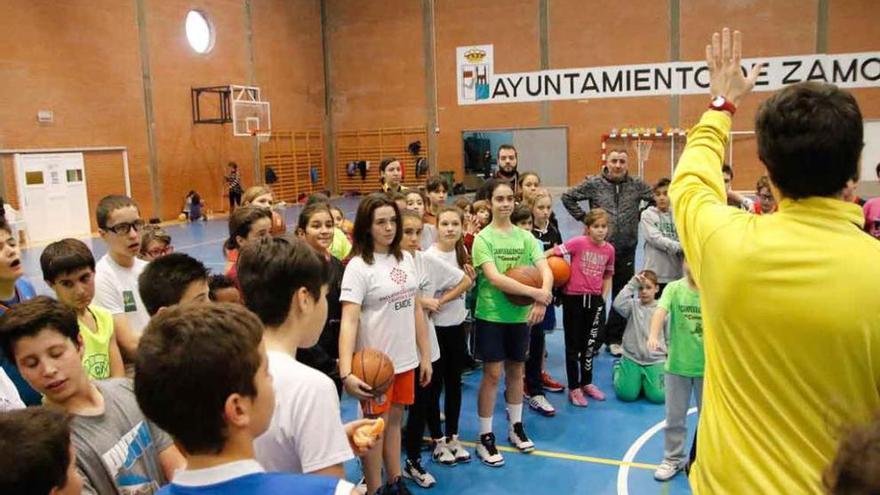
(122, 461)
(97, 365)
(398, 276)
(594, 264)
(667, 229)
(693, 314)
(128, 301)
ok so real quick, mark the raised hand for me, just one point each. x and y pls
(724, 57)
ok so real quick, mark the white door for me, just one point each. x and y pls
(52, 195)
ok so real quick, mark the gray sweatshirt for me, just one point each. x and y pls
(663, 252)
(638, 326)
(621, 199)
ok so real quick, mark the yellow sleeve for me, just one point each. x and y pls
(699, 199)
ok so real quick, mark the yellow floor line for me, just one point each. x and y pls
(572, 457)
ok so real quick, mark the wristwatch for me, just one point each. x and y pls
(721, 104)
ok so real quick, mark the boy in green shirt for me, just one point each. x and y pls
(69, 269)
(684, 364)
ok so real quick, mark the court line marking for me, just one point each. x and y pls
(570, 457)
(626, 462)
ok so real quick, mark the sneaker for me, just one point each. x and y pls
(616, 350)
(454, 445)
(542, 405)
(487, 452)
(593, 391)
(398, 487)
(517, 436)
(576, 397)
(442, 454)
(666, 471)
(413, 470)
(361, 486)
(550, 384)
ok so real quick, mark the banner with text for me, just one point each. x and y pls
(479, 85)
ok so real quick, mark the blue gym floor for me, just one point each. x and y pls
(610, 447)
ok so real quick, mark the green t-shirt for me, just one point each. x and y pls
(685, 354)
(96, 352)
(505, 249)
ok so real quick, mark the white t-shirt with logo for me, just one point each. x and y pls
(453, 312)
(116, 290)
(435, 277)
(306, 432)
(386, 291)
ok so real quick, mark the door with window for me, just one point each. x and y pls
(52, 195)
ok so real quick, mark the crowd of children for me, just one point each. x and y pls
(275, 335)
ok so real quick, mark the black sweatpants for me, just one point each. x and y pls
(534, 383)
(624, 269)
(425, 408)
(582, 320)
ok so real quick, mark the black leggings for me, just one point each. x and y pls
(234, 200)
(424, 408)
(582, 320)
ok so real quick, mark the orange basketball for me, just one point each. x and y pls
(561, 270)
(374, 368)
(524, 274)
(278, 225)
(347, 226)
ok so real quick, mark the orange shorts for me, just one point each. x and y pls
(402, 391)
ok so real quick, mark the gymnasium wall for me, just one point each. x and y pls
(579, 34)
(82, 60)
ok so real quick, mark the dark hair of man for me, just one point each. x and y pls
(218, 282)
(362, 237)
(520, 214)
(305, 216)
(165, 279)
(855, 469)
(30, 317)
(435, 183)
(507, 147)
(810, 137)
(36, 451)
(664, 182)
(461, 254)
(727, 169)
(64, 257)
(109, 204)
(190, 359)
(241, 220)
(272, 270)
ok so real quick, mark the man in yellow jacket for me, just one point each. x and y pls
(790, 300)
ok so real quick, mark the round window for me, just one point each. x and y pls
(198, 32)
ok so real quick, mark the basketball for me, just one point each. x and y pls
(374, 368)
(524, 274)
(347, 226)
(561, 270)
(181, 217)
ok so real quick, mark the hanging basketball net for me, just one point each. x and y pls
(642, 148)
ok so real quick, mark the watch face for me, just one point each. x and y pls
(718, 101)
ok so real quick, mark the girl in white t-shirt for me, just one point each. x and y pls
(439, 283)
(449, 325)
(381, 310)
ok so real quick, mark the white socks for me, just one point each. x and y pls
(485, 425)
(515, 412)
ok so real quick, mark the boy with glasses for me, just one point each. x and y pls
(116, 273)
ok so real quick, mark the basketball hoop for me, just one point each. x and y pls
(642, 148)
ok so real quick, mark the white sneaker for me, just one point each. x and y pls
(442, 454)
(542, 405)
(361, 486)
(413, 470)
(458, 450)
(518, 438)
(666, 471)
(487, 452)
